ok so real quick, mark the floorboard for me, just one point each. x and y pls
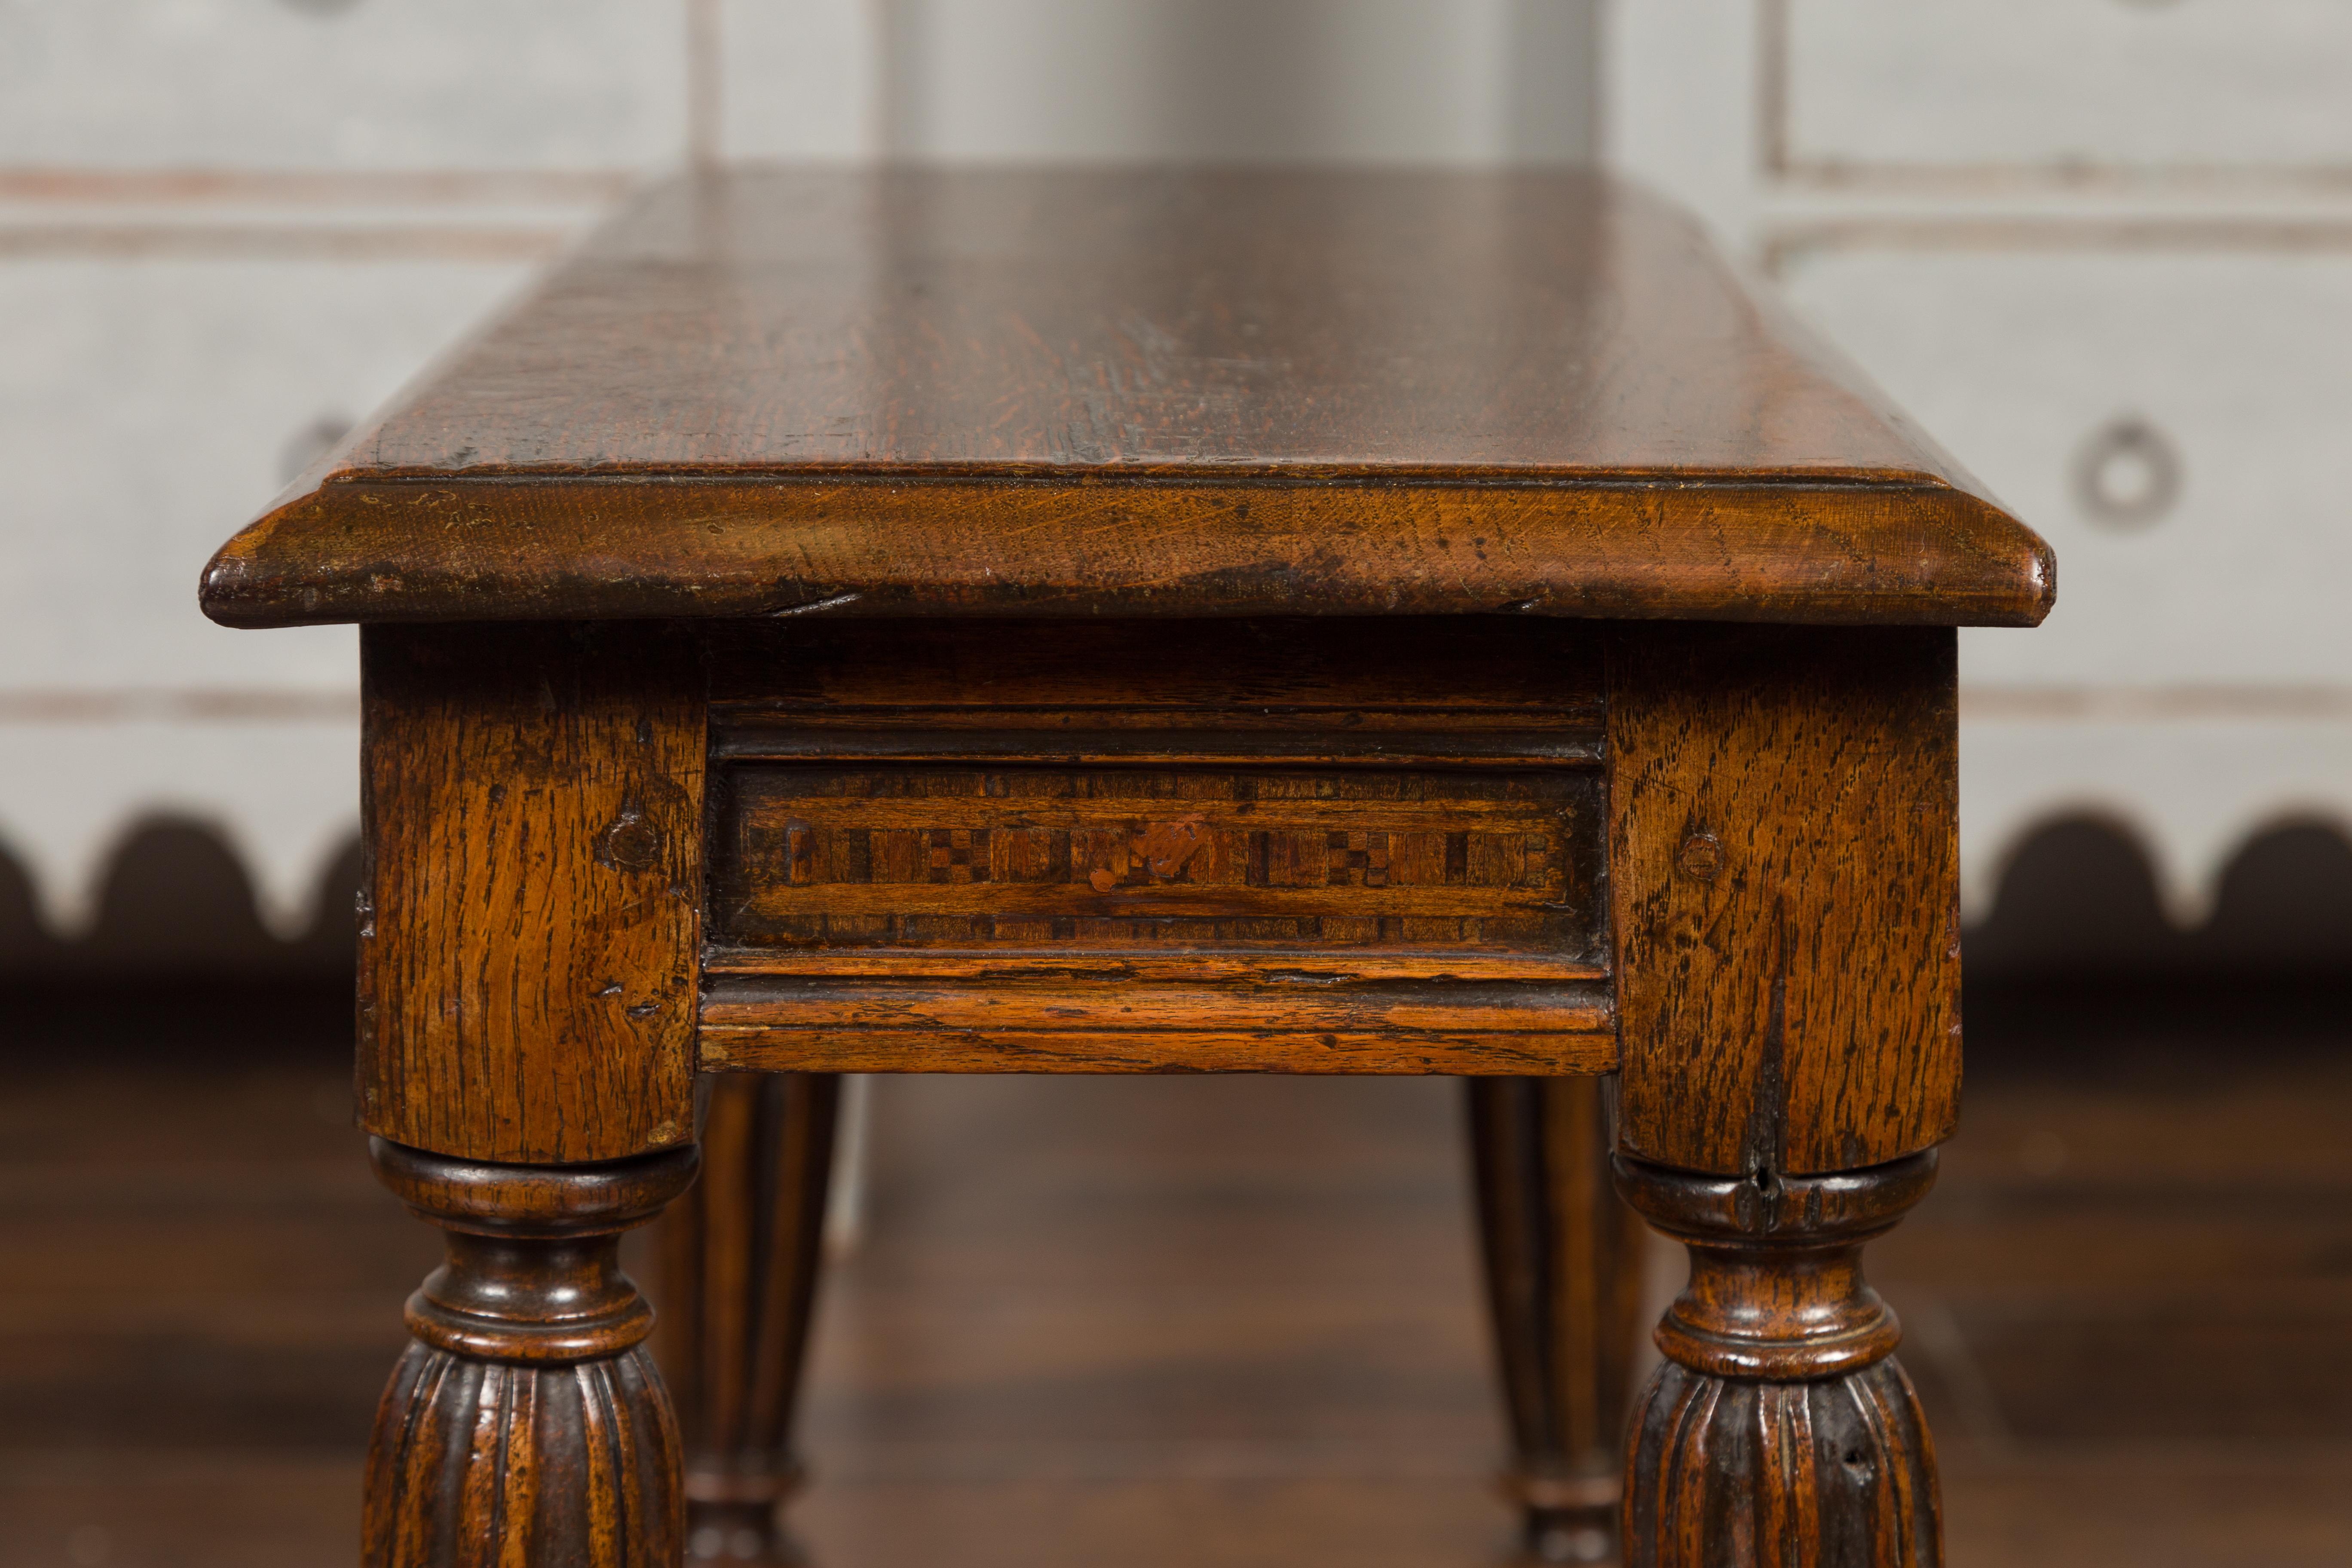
(1171, 1321)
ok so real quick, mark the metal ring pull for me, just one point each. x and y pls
(2126, 473)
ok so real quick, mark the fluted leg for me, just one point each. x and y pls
(1562, 1258)
(526, 1426)
(740, 1256)
(1780, 1433)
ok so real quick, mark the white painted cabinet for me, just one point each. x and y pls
(1320, 81)
(2079, 90)
(2176, 423)
(228, 226)
(437, 85)
(2103, 249)
(146, 403)
(227, 229)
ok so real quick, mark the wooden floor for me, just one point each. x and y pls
(1183, 1320)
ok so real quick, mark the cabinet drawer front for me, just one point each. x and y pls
(2070, 87)
(148, 406)
(2172, 421)
(1041, 857)
(1255, 845)
(362, 85)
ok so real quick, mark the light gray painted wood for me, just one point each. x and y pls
(1393, 82)
(244, 85)
(227, 224)
(2022, 361)
(2070, 87)
(2042, 223)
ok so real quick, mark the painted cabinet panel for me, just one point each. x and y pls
(251, 85)
(228, 227)
(2069, 87)
(2103, 249)
(1411, 81)
(2173, 421)
(147, 405)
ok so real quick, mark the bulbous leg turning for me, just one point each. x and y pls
(526, 1427)
(1780, 1433)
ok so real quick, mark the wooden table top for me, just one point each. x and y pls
(1146, 393)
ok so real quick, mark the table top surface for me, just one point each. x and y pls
(1147, 392)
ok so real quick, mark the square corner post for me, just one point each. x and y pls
(1785, 883)
(532, 803)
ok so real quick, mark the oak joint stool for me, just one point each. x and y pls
(981, 621)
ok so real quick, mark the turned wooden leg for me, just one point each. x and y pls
(1780, 1433)
(1563, 1286)
(740, 1257)
(526, 1427)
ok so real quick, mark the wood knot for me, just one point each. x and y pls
(1701, 856)
(630, 843)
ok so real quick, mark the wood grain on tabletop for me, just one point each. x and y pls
(1140, 391)
(533, 805)
(1784, 865)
